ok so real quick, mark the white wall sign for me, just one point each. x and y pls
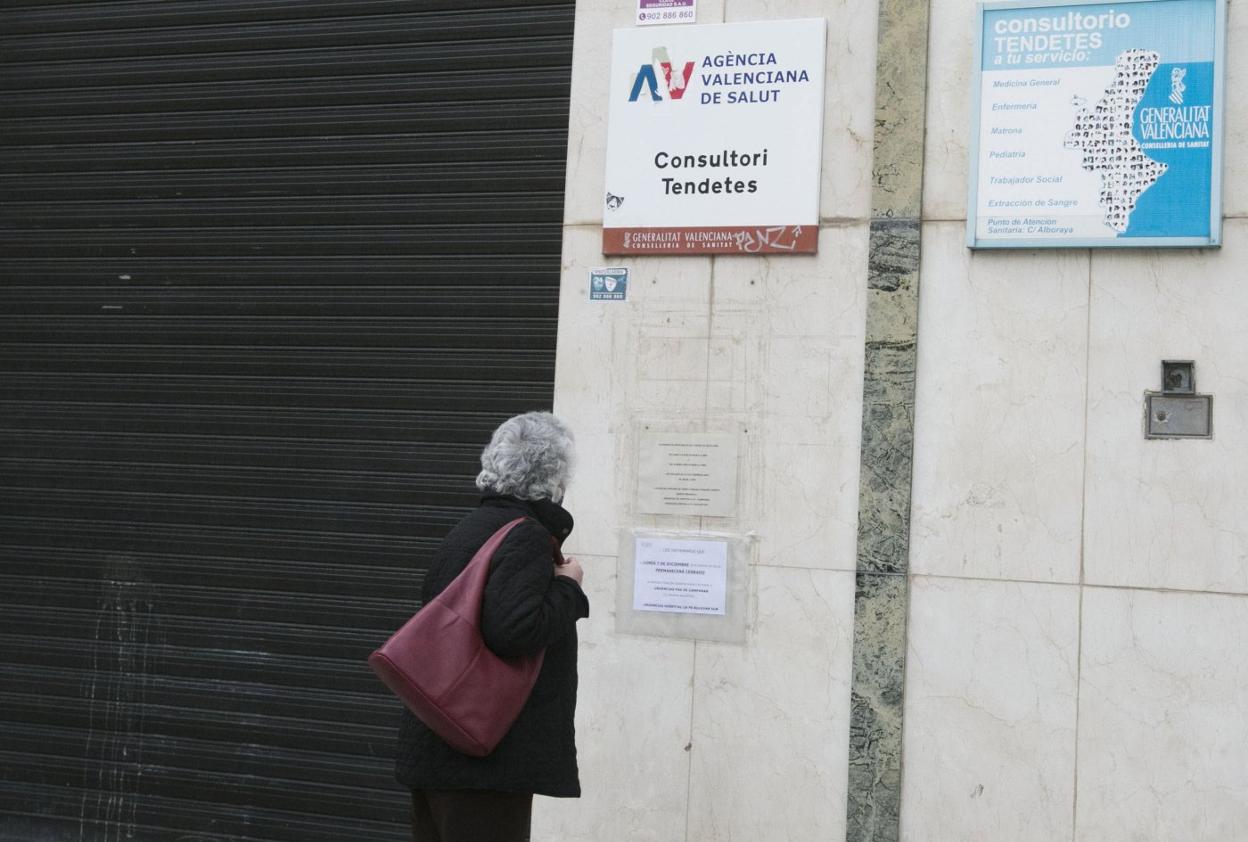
(680, 577)
(715, 139)
(1098, 124)
(687, 474)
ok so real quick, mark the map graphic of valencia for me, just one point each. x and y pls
(1103, 133)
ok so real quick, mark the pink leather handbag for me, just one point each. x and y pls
(439, 665)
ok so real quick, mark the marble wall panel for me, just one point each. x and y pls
(889, 372)
(587, 116)
(1163, 717)
(795, 412)
(798, 375)
(621, 361)
(949, 105)
(874, 792)
(882, 549)
(989, 735)
(736, 359)
(637, 355)
(589, 333)
(845, 190)
(770, 719)
(818, 295)
(998, 472)
(1168, 513)
(609, 351)
(594, 496)
(800, 319)
(810, 507)
(1235, 164)
(787, 361)
(633, 726)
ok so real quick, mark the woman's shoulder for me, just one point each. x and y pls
(481, 523)
(528, 538)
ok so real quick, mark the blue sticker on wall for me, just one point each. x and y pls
(608, 284)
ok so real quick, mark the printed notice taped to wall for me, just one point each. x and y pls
(680, 577)
(683, 584)
(687, 474)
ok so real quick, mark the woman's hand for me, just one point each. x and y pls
(572, 569)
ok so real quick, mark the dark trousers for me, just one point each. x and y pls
(470, 816)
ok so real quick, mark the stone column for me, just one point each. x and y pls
(888, 424)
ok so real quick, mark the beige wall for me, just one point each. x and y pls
(1080, 595)
(700, 741)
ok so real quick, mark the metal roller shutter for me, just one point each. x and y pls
(272, 271)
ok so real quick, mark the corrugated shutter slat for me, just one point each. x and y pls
(272, 272)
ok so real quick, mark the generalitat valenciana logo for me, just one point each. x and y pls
(1176, 84)
(647, 78)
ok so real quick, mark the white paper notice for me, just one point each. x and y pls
(688, 474)
(680, 577)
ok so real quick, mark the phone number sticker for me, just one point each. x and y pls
(666, 11)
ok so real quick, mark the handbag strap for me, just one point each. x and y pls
(466, 589)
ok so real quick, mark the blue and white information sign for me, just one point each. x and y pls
(1098, 124)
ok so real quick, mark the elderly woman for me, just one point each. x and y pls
(530, 603)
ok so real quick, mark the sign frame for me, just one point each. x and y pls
(728, 627)
(699, 161)
(703, 487)
(1217, 145)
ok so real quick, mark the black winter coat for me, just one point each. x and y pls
(525, 608)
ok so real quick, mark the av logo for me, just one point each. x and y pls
(676, 83)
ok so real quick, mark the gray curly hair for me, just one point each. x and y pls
(529, 456)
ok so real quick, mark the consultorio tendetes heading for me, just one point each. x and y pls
(675, 186)
(1072, 31)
